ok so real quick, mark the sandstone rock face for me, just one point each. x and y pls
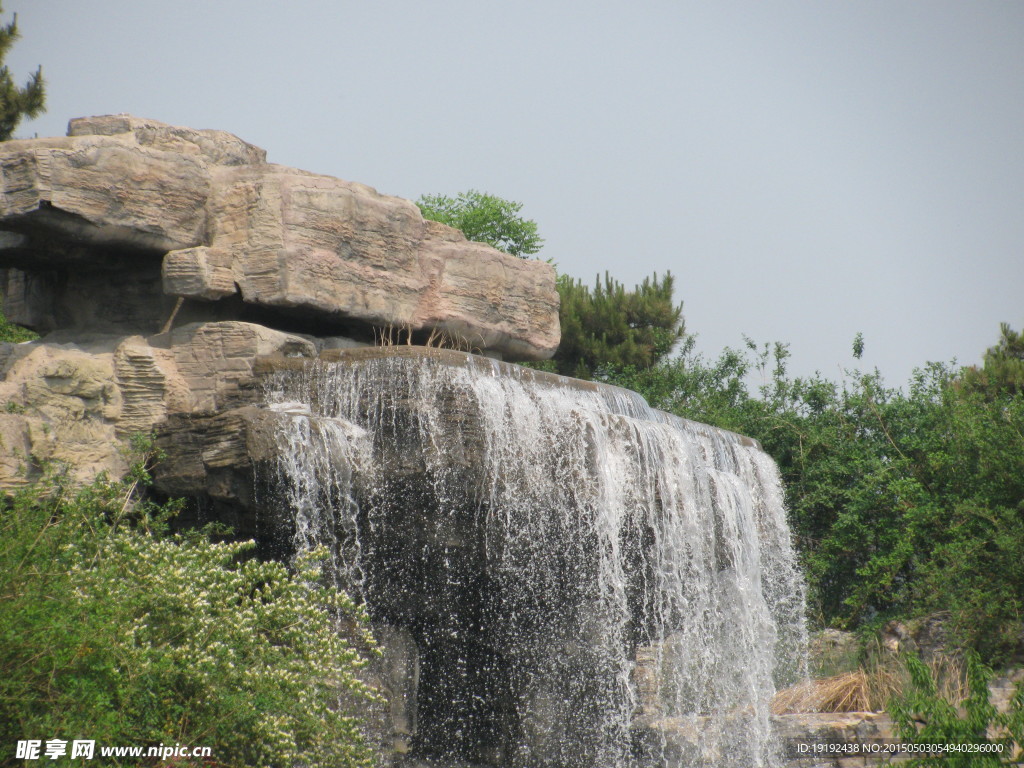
(62, 404)
(107, 228)
(163, 261)
(106, 190)
(217, 147)
(80, 402)
(213, 357)
(322, 245)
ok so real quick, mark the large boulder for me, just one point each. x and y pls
(128, 225)
(110, 182)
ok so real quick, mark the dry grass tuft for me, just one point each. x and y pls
(391, 335)
(869, 689)
(395, 335)
(848, 692)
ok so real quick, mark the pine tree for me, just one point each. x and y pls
(610, 327)
(1002, 372)
(15, 102)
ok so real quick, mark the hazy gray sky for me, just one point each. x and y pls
(806, 170)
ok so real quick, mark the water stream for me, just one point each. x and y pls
(590, 582)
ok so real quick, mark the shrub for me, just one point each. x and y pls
(981, 735)
(608, 327)
(14, 333)
(486, 219)
(114, 632)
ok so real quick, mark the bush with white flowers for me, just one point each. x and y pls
(113, 632)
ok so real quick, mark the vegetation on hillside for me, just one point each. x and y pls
(974, 734)
(903, 502)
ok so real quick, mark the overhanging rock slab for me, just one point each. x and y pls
(201, 215)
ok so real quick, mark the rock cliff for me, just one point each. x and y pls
(105, 228)
(159, 262)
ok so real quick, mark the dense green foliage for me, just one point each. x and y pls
(17, 102)
(485, 218)
(903, 502)
(978, 734)
(611, 327)
(115, 632)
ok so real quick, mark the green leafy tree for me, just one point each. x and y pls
(609, 327)
(485, 218)
(17, 103)
(113, 631)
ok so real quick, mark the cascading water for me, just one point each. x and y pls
(590, 582)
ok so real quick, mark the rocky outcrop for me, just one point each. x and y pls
(81, 402)
(126, 224)
(837, 739)
(805, 740)
(163, 261)
(62, 404)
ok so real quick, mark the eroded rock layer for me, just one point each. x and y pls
(108, 228)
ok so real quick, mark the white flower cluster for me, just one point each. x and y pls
(236, 652)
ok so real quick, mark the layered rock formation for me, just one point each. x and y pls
(107, 227)
(162, 261)
(80, 400)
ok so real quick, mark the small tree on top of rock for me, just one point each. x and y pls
(485, 219)
(15, 102)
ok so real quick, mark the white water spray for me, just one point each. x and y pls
(598, 584)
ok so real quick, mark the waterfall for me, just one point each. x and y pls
(590, 582)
